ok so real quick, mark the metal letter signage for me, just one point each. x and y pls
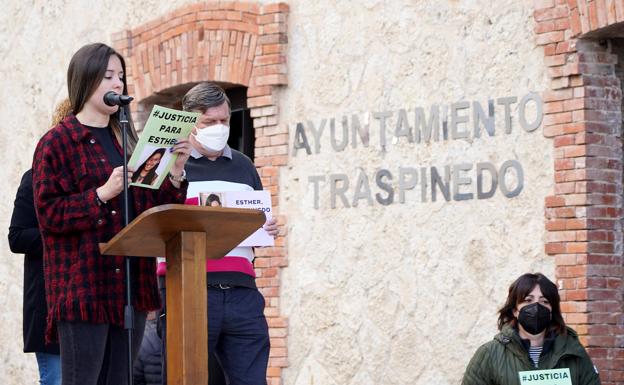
(463, 120)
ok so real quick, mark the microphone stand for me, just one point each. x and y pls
(128, 309)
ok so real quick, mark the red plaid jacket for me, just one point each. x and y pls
(82, 285)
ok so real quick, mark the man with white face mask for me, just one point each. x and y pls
(238, 333)
(212, 138)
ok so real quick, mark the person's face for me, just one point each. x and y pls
(212, 116)
(152, 161)
(112, 81)
(534, 296)
(214, 204)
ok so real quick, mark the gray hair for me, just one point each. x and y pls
(203, 96)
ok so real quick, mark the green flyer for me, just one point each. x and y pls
(151, 158)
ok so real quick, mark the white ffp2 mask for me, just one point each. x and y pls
(213, 138)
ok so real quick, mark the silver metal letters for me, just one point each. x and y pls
(462, 120)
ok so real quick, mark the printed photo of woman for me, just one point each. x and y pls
(146, 173)
(213, 200)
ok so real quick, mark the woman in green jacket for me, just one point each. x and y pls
(533, 343)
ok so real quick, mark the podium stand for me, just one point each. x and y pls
(186, 236)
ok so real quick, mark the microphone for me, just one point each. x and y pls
(113, 99)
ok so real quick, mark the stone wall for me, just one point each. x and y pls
(404, 293)
(374, 290)
(37, 41)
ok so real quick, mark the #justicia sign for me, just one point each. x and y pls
(463, 120)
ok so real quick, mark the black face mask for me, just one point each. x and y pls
(534, 318)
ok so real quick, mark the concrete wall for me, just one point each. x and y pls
(371, 292)
(403, 294)
(37, 40)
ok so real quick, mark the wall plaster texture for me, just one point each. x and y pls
(404, 294)
(37, 40)
(372, 293)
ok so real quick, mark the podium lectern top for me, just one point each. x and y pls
(147, 234)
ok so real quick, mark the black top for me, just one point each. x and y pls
(238, 169)
(24, 238)
(105, 136)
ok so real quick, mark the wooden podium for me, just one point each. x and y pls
(186, 236)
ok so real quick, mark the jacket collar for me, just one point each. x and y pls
(509, 338)
(549, 341)
(561, 346)
(77, 131)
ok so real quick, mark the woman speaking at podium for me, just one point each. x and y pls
(78, 181)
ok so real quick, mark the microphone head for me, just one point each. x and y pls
(114, 99)
(125, 99)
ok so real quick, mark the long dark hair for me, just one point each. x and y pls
(151, 173)
(85, 73)
(522, 287)
(212, 198)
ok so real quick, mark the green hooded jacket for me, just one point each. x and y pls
(499, 361)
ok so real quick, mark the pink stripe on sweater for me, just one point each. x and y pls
(192, 201)
(238, 264)
(229, 263)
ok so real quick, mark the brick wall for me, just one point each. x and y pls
(584, 216)
(232, 42)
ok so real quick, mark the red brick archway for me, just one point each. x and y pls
(231, 42)
(584, 216)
